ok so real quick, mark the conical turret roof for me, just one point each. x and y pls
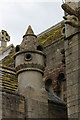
(29, 31)
(29, 40)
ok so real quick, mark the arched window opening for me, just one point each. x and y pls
(61, 77)
(63, 56)
(62, 85)
(17, 48)
(48, 85)
(40, 48)
(63, 60)
(63, 51)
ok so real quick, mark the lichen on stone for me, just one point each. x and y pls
(9, 81)
(48, 38)
(8, 60)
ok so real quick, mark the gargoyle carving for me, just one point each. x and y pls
(72, 16)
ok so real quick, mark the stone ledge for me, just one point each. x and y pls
(29, 67)
(26, 51)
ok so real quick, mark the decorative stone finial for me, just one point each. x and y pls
(29, 31)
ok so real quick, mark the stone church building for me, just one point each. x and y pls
(40, 77)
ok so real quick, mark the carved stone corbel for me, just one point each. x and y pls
(72, 16)
(72, 20)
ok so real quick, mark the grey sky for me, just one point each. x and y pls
(16, 15)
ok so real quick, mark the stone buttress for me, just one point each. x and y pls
(72, 51)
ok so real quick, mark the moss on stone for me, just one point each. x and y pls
(48, 38)
(8, 60)
(9, 81)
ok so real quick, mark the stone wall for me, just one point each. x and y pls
(72, 53)
(55, 66)
(36, 109)
(13, 105)
(53, 54)
(73, 73)
(57, 110)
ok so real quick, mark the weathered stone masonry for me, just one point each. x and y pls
(72, 51)
(28, 95)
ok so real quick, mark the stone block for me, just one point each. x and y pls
(12, 105)
(36, 109)
(72, 98)
(73, 103)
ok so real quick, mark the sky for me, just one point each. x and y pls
(17, 15)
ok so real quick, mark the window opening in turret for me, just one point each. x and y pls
(48, 85)
(17, 49)
(40, 48)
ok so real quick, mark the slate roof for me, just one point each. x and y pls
(55, 98)
(50, 35)
(8, 79)
(8, 60)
